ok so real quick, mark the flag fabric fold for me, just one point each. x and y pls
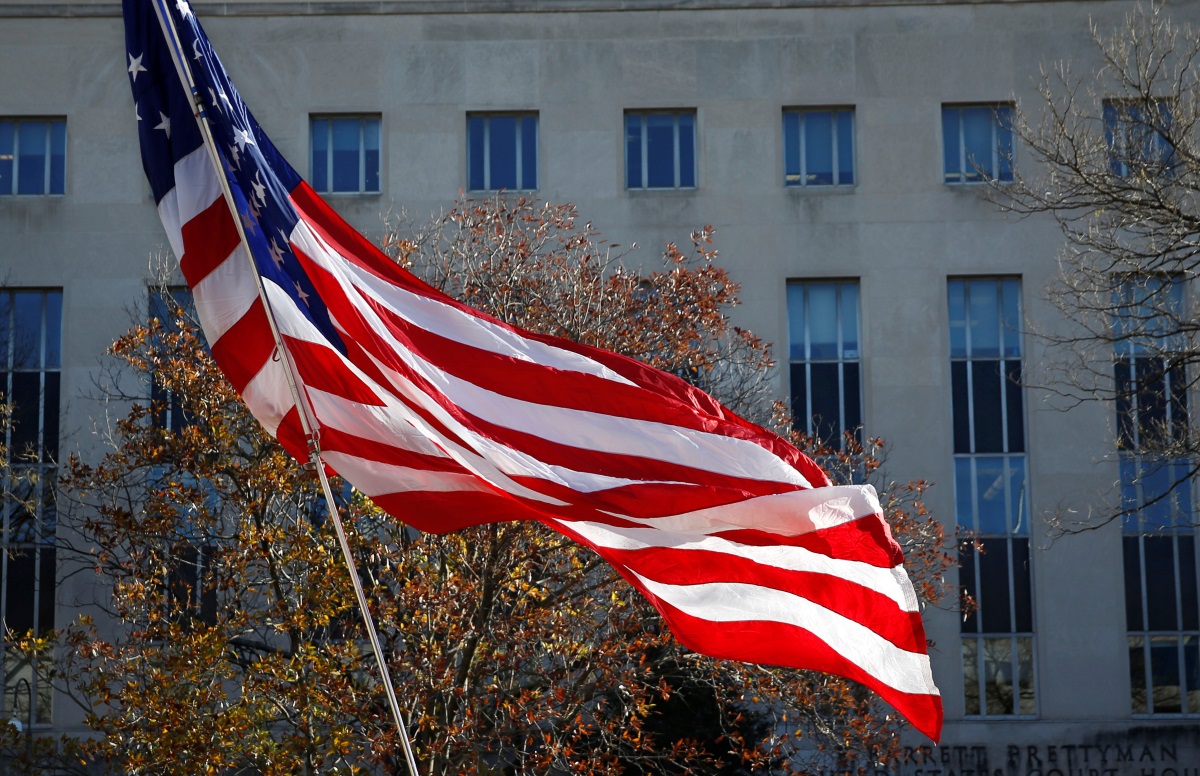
(447, 417)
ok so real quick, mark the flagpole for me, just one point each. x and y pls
(308, 423)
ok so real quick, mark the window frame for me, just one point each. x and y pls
(324, 184)
(1002, 159)
(519, 140)
(799, 179)
(643, 144)
(49, 175)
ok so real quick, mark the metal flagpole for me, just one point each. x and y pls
(307, 422)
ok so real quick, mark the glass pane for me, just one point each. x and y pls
(984, 308)
(502, 147)
(1165, 674)
(957, 301)
(852, 399)
(687, 151)
(822, 320)
(964, 498)
(1191, 665)
(994, 497)
(998, 675)
(633, 152)
(1160, 582)
(46, 586)
(818, 147)
(346, 149)
(951, 145)
(1188, 611)
(967, 555)
(7, 159)
(796, 321)
(994, 598)
(319, 129)
(58, 157)
(53, 319)
(977, 136)
(1010, 316)
(50, 418)
(32, 150)
(1004, 144)
(826, 402)
(791, 149)
(660, 150)
(961, 406)
(1137, 674)
(476, 136)
(987, 390)
(19, 610)
(849, 319)
(371, 161)
(1028, 699)
(970, 657)
(1022, 589)
(1133, 583)
(26, 415)
(1014, 407)
(800, 415)
(845, 136)
(529, 153)
(27, 329)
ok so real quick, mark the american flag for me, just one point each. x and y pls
(446, 417)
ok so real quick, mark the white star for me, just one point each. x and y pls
(233, 158)
(196, 53)
(165, 124)
(225, 98)
(137, 112)
(300, 293)
(135, 66)
(255, 209)
(242, 138)
(185, 10)
(260, 191)
(212, 98)
(276, 254)
(248, 222)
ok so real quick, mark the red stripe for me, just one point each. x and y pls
(442, 512)
(242, 351)
(867, 539)
(335, 440)
(321, 368)
(208, 239)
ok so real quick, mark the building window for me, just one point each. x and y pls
(1162, 602)
(33, 155)
(991, 498)
(502, 151)
(30, 360)
(345, 154)
(1136, 135)
(977, 143)
(824, 359)
(660, 149)
(818, 147)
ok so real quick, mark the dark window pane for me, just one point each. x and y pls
(1189, 611)
(320, 154)
(502, 146)
(687, 151)
(50, 400)
(476, 180)
(46, 589)
(1022, 590)
(53, 339)
(346, 151)
(799, 379)
(19, 610)
(1014, 407)
(529, 152)
(26, 416)
(371, 162)
(852, 396)
(818, 147)
(970, 655)
(1191, 664)
(998, 674)
(961, 407)
(27, 329)
(977, 126)
(986, 390)
(58, 157)
(633, 152)
(31, 166)
(951, 145)
(966, 577)
(1160, 582)
(791, 149)
(1133, 584)
(1137, 674)
(660, 151)
(993, 582)
(845, 130)
(826, 402)
(1124, 387)
(1164, 675)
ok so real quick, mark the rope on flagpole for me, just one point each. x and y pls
(307, 422)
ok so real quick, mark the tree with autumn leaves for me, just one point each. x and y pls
(232, 642)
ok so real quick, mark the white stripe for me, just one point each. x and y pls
(196, 187)
(881, 580)
(443, 319)
(225, 295)
(269, 396)
(786, 514)
(898, 668)
(606, 434)
(375, 478)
